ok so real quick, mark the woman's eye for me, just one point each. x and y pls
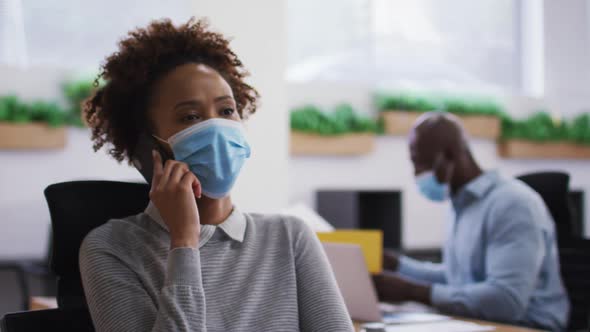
(228, 112)
(191, 117)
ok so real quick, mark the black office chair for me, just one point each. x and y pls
(76, 208)
(553, 187)
(574, 250)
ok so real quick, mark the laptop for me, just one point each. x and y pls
(354, 281)
(357, 289)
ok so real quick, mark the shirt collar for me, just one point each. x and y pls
(476, 188)
(234, 226)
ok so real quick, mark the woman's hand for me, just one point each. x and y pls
(174, 189)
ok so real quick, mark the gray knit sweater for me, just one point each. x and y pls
(251, 273)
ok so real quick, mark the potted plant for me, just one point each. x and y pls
(41, 124)
(341, 133)
(480, 117)
(399, 112)
(541, 136)
(37, 125)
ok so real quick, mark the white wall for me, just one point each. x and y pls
(567, 54)
(258, 39)
(258, 29)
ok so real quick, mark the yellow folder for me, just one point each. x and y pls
(370, 241)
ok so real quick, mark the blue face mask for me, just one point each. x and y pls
(431, 188)
(215, 150)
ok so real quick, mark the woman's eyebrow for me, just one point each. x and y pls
(191, 102)
(195, 102)
(221, 98)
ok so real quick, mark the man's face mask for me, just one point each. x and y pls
(431, 187)
(215, 150)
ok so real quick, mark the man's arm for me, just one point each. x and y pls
(422, 271)
(514, 254)
(413, 279)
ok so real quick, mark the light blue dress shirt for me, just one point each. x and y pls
(500, 260)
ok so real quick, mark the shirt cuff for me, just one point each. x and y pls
(184, 267)
(408, 267)
(440, 295)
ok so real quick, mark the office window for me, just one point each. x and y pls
(452, 44)
(74, 34)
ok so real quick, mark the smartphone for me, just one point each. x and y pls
(143, 160)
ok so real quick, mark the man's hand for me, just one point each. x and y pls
(394, 288)
(390, 260)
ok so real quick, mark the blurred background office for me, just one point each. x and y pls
(340, 82)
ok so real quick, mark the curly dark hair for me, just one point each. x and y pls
(117, 111)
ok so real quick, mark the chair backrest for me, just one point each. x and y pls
(47, 320)
(76, 208)
(553, 187)
(574, 252)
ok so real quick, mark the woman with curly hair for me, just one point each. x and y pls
(192, 261)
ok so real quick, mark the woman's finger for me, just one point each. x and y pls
(158, 169)
(197, 189)
(168, 167)
(178, 171)
(190, 180)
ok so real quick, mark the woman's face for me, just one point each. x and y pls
(189, 94)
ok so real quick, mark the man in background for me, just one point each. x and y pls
(500, 259)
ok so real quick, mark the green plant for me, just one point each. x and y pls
(404, 102)
(542, 127)
(538, 127)
(49, 113)
(421, 103)
(11, 110)
(342, 120)
(471, 107)
(14, 110)
(579, 129)
(75, 93)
